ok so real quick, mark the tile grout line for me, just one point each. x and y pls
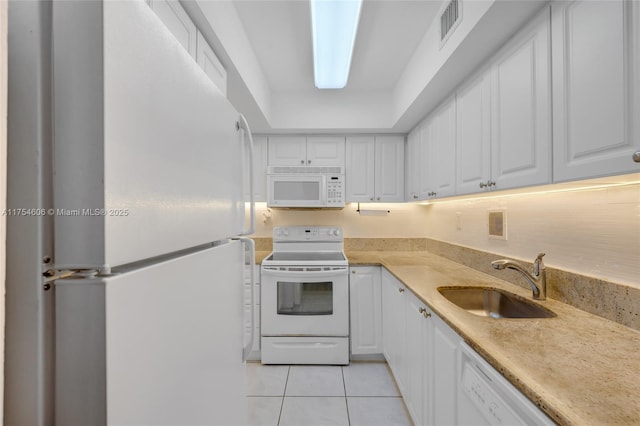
(284, 392)
(346, 402)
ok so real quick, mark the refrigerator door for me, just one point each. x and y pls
(157, 345)
(147, 151)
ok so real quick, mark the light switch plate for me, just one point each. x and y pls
(498, 224)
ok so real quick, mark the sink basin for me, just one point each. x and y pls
(494, 303)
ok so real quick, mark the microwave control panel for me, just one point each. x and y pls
(335, 190)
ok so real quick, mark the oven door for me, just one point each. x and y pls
(296, 190)
(305, 301)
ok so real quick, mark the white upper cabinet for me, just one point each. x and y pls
(596, 84)
(521, 109)
(438, 152)
(325, 150)
(389, 161)
(259, 167)
(306, 151)
(173, 15)
(375, 169)
(412, 166)
(287, 150)
(473, 136)
(503, 115)
(210, 64)
(360, 170)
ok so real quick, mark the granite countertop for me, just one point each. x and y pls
(579, 368)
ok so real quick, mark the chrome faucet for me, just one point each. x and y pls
(537, 280)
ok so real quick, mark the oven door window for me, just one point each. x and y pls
(296, 298)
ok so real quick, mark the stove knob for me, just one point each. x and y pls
(336, 232)
(285, 232)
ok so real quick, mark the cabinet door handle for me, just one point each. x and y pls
(378, 198)
(415, 197)
(636, 156)
(308, 161)
(301, 161)
(426, 314)
(353, 272)
(401, 290)
(421, 310)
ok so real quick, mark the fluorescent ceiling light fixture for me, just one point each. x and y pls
(334, 25)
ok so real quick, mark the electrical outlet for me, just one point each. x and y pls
(498, 224)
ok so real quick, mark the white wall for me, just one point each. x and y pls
(404, 221)
(593, 232)
(3, 184)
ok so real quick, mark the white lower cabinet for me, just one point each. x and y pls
(428, 361)
(419, 333)
(248, 307)
(432, 349)
(445, 361)
(365, 301)
(394, 331)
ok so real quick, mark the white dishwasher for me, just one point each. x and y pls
(487, 398)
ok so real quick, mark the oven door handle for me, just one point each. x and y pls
(304, 272)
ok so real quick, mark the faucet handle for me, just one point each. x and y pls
(538, 263)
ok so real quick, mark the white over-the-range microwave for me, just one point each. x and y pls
(302, 186)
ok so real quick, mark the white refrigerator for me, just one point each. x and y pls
(148, 205)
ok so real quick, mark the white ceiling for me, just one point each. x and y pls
(388, 33)
(399, 71)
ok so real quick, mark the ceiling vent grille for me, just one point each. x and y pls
(449, 19)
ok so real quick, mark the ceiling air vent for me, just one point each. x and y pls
(449, 19)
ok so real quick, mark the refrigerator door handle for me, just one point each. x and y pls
(252, 202)
(252, 262)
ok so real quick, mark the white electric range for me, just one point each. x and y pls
(305, 297)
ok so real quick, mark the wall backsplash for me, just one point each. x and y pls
(403, 221)
(594, 232)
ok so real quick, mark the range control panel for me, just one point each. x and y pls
(307, 233)
(335, 190)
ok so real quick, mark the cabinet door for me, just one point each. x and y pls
(412, 166)
(360, 169)
(389, 167)
(473, 134)
(366, 310)
(325, 151)
(415, 321)
(596, 89)
(427, 134)
(173, 15)
(521, 109)
(259, 166)
(255, 350)
(446, 354)
(442, 154)
(394, 331)
(208, 61)
(287, 150)
(388, 326)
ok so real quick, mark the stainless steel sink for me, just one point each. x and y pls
(494, 303)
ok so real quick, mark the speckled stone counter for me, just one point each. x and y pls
(577, 367)
(260, 255)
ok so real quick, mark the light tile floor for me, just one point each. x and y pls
(360, 394)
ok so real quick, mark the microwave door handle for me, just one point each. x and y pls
(252, 202)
